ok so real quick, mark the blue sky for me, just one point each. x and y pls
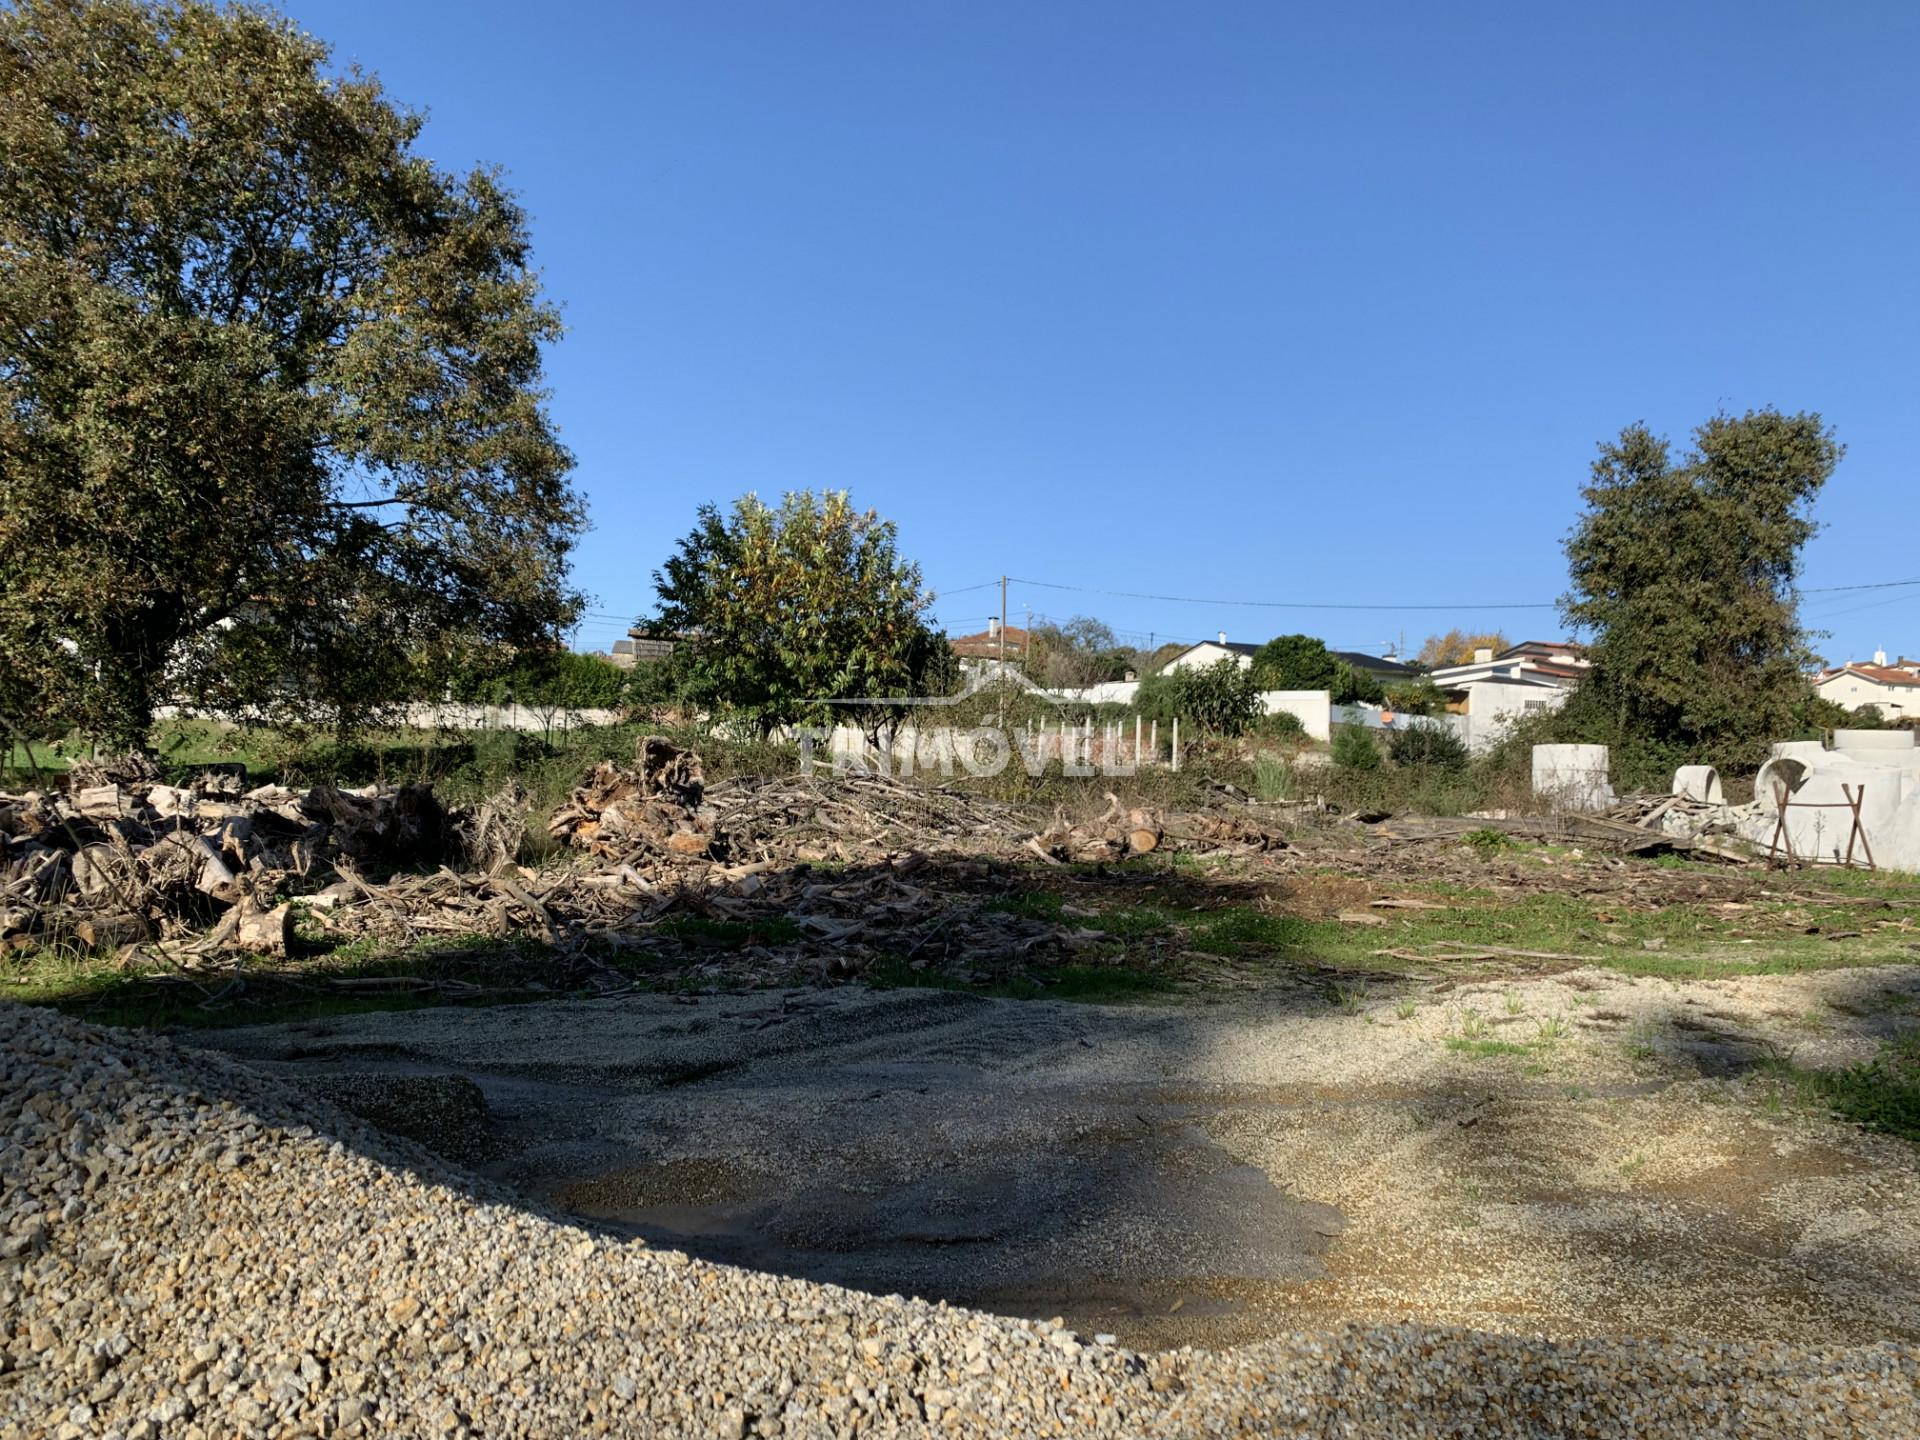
(1238, 301)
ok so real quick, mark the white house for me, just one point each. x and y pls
(1893, 690)
(1552, 662)
(1209, 653)
(1493, 691)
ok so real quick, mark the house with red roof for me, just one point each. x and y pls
(1892, 689)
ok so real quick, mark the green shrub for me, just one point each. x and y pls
(1283, 725)
(1222, 698)
(1428, 746)
(1487, 841)
(1353, 749)
(1416, 697)
(1274, 779)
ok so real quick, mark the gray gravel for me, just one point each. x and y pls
(188, 1248)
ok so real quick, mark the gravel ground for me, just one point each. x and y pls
(193, 1249)
(1202, 1173)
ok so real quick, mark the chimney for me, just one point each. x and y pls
(1880, 657)
(1483, 656)
(1223, 637)
(993, 627)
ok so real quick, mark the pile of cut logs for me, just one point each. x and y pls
(126, 858)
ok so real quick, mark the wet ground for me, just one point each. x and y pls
(1569, 1156)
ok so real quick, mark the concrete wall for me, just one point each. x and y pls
(531, 718)
(1110, 692)
(1313, 707)
(1494, 705)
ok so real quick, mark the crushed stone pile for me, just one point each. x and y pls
(188, 1248)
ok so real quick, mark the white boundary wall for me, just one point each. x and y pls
(1313, 708)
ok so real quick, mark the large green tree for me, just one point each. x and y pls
(1300, 662)
(1683, 571)
(272, 437)
(781, 610)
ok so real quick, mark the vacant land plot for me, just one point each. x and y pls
(1279, 1075)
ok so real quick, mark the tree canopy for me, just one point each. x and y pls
(272, 432)
(1456, 647)
(1222, 698)
(1079, 652)
(1296, 662)
(781, 610)
(1683, 572)
(1300, 662)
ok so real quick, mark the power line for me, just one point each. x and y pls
(1275, 604)
(1357, 605)
(964, 589)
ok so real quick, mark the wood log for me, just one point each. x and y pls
(262, 932)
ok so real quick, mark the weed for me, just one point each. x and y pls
(1407, 1008)
(1883, 1094)
(1486, 841)
(1274, 778)
(1483, 1049)
(1554, 1028)
(1351, 998)
(1634, 1164)
(1640, 1042)
(1514, 1003)
(1473, 1024)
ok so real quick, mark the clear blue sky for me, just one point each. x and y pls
(1236, 300)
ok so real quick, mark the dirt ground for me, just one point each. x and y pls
(1570, 1154)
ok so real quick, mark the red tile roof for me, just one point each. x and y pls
(986, 644)
(1881, 674)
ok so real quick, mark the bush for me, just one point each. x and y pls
(1282, 725)
(1416, 697)
(1355, 687)
(1222, 698)
(1353, 749)
(1275, 779)
(1432, 746)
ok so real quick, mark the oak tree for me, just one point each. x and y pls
(272, 434)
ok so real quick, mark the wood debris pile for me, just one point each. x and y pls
(792, 874)
(617, 813)
(121, 857)
(1113, 835)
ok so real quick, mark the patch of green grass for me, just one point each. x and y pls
(1691, 941)
(453, 970)
(1223, 932)
(1407, 1008)
(1487, 841)
(1483, 1049)
(729, 934)
(1883, 1094)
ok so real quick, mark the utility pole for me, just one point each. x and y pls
(1003, 622)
